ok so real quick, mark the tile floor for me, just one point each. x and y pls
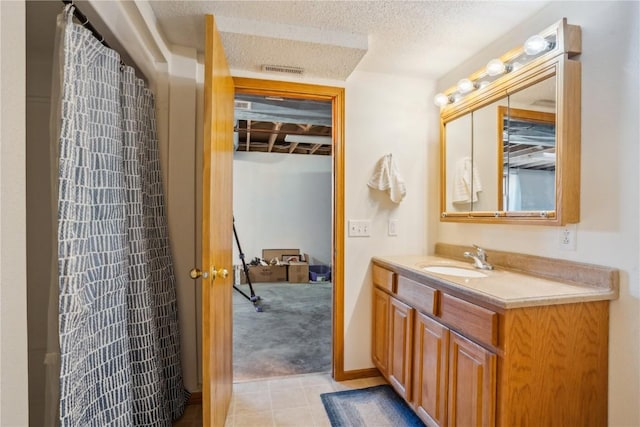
(287, 401)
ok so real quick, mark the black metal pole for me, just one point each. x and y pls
(84, 21)
(253, 298)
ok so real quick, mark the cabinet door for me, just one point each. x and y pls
(472, 384)
(380, 337)
(400, 348)
(431, 347)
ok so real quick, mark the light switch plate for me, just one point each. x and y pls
(359, 228)
(393, 227)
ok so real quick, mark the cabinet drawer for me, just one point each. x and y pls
(421, 297)
(472, 320)
(383, 278)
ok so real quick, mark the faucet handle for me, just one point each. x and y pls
(480, 251)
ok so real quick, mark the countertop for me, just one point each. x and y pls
(501, 287)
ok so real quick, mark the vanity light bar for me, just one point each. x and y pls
(495, 67)
(533, 47)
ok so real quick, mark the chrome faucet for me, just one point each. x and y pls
(479, 258)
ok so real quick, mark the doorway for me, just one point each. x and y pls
(282, 198)
(334, 95)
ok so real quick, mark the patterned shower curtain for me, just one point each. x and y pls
(118, 327)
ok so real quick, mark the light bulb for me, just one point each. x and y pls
(535, 44)
(465, 85)
(495, 67)
(441, 100)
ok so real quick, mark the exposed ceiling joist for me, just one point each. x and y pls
(315, 148)
(274, 135)
(272, 124)
(248, 134)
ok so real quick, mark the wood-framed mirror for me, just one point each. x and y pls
(510, 148)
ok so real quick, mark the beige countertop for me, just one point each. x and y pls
(501, 287)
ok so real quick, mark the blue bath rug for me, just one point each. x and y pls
(372, 406)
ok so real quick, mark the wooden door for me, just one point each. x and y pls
(380, 338)
(472, 384)
(430, 362)
(217, 227)
(400, 339)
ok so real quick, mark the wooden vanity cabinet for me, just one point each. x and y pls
(430, 370)
(454, 378)
(458, 363)
(448, 379)
(400, 347)
(472, 384)
(392, 340)
(380, 328)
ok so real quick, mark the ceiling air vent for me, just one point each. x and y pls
(283, 69)
(242, 105)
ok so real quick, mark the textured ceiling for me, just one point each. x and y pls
(423, 39)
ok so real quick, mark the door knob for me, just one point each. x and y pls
(222, 272)
(196, 273)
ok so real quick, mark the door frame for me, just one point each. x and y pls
(336, 96)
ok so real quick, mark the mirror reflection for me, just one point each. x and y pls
(528, 143)
(485, 155)
(517, 173)
(460, 190)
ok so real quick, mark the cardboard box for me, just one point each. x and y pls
(269, 254)
(268, 273)
(298, 272)
(296, 264)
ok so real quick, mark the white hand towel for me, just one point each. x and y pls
(466, 176)
(386, 177)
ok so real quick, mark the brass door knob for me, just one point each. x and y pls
(196, 273)
(222, 272)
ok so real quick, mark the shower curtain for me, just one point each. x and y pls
(119, 348)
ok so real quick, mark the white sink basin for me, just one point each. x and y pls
(454, 271)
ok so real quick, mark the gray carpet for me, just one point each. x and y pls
(291, 336)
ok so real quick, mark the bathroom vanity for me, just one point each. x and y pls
(525, 344)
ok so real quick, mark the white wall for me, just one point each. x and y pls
(182, 214)
(608, 232)
(384, 114)
(282, 201)
(13, 297)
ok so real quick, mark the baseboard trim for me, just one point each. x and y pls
(357, 374)
(195, 398)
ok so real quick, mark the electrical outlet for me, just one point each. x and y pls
(359, 228)
(393, 227)
(567, 235)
